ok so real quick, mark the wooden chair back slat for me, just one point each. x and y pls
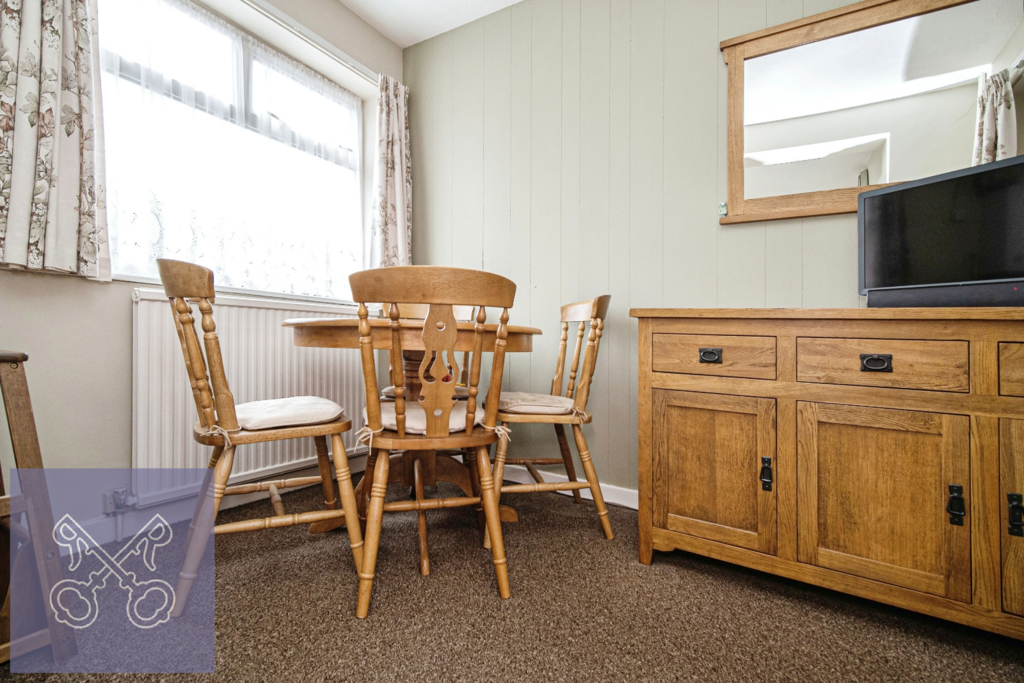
(192, 375)
(473, 378)
(590, 312)
(556, 383)
(373, 420)
(397, 366)
(570, 387)
(497, 366)
(182, 281)
(437, 395)
(405, 291)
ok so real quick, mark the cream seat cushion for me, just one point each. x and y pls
(525, 403)
(416, 418)
(460, 392)
(287, 412)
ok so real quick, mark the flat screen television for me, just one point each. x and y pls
(960, 228)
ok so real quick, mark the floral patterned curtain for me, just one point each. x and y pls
(52, 212)
(391, 243)
(996, 136)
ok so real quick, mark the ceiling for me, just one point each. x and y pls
(407, 22)
(915, 55)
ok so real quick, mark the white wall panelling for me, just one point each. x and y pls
(578, 147)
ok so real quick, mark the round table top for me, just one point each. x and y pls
(343, 333)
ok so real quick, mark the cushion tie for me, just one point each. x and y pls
(365, 435)
(217, 430)
(504, 433)
(579, 412)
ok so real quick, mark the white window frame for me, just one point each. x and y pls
(279, 31)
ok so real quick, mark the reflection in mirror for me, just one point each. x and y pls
(887, 104)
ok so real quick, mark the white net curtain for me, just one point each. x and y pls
(224, 152)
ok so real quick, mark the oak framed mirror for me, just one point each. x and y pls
(867, 95)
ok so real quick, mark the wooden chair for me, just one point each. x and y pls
(226, 426)
(35, 566)
(388, 424)
(571, 410)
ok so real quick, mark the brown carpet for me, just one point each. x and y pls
(582, 608)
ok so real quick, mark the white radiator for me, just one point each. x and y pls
(260, 361)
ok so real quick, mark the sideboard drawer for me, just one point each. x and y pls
(1011, 369)
(724, 356)
(894, 363)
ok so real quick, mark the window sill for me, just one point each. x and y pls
(247, 293)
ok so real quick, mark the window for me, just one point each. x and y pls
(222, 151)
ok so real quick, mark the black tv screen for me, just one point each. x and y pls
(964, 226)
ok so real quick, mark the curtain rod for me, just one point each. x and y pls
(311, 39)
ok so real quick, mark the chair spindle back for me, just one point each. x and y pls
(443, 291)
(584, 312)
(184, 282)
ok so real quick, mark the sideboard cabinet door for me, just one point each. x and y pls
(1011, 484)
(714, 467)
(885, 494)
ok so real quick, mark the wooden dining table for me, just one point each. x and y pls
(343, 333)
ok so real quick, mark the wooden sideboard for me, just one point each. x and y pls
(877, 452)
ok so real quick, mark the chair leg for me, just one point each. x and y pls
(500, 451)
(570, 469)
(374, 519)
(474, 478)
(363, 499)
(207, 519)
(348, 499)
(217, 450)
(323, 461)
(595, 485)
(421, 517)
(490, 501)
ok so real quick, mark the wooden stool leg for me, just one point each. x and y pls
(595, 485)
(490, 501)
(474, 477)
(207, 519)
(374, 519)
(421, 517)
(217, 450)
(570, 468)
(348, 499)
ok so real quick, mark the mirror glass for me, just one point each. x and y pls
(887, 104)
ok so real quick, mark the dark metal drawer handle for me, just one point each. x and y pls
(709, 355)
(1016, 501)
(766, 474)
(957, 506)
(876, 362)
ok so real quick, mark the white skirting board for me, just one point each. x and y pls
(613, 495)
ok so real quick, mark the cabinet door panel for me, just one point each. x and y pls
(873, 485)
(708, 452)
(1011, 481)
